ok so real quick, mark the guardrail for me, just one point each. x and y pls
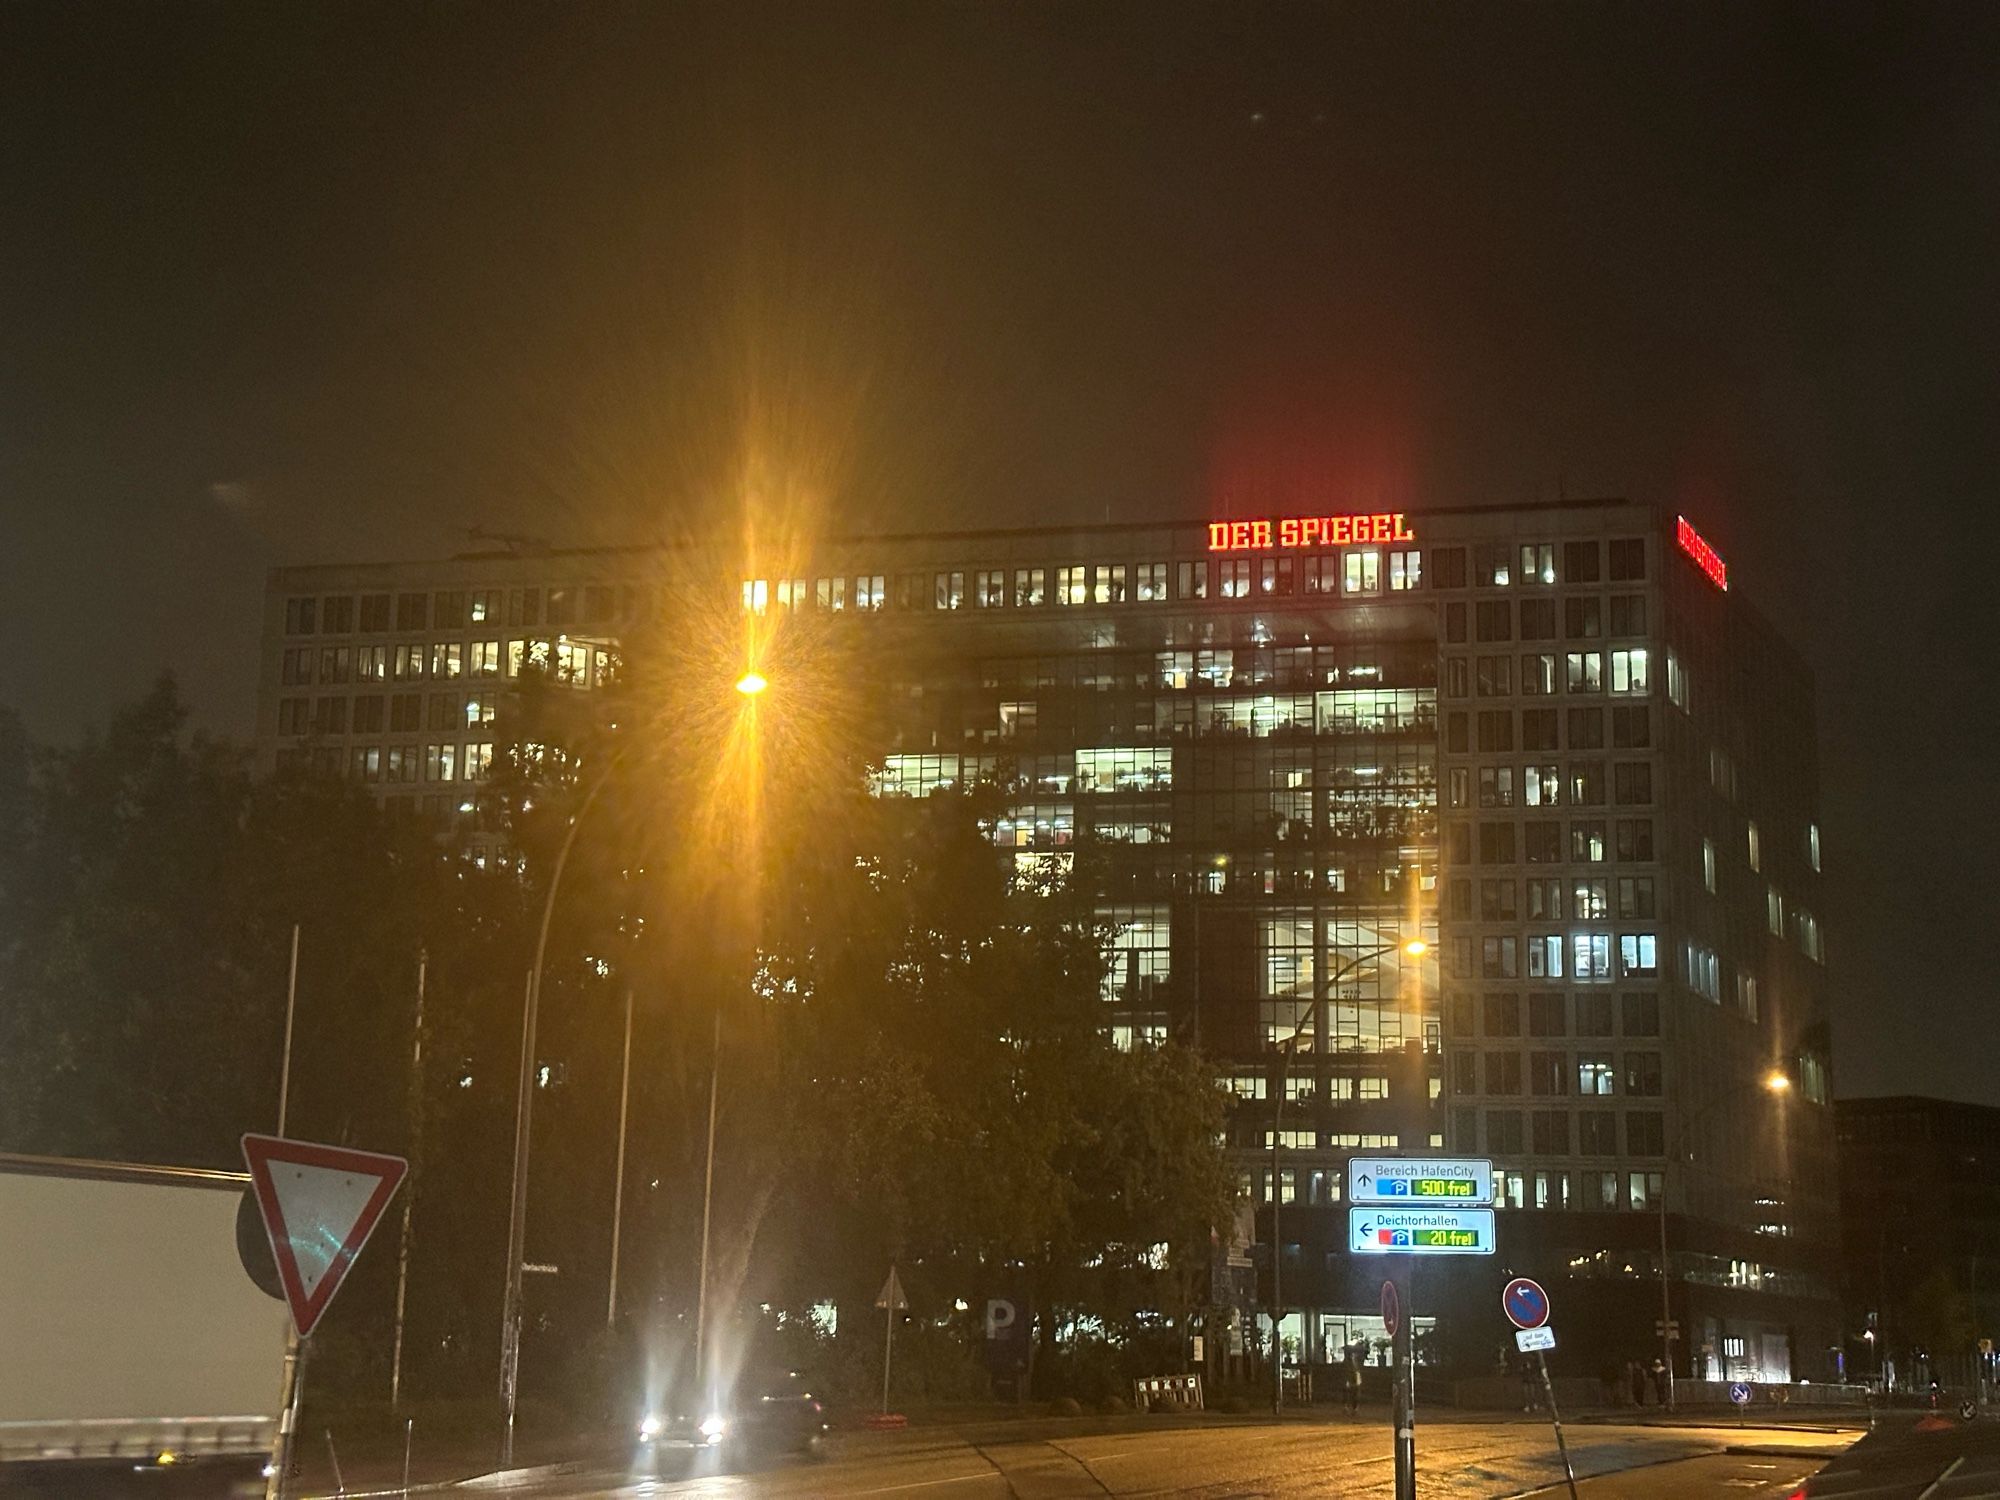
(121, 1437)
(1766, 1394)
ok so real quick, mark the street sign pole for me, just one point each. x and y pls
(1549, 1390)
(1404, 1402)
(892, 1301)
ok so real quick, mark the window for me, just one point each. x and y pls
(1538, 619)
(599, 602)
(1587, 844)
(1538, 562)
(295, 668)
(1109, 585)
(1581, 562)
(447, 659)
(1274, 575)
(1774, 911)
(1638, 956)
(1149, 582)
(294, 716)
(1030, 586)
(1496, 843)
(1631, 726)
(1545, 956)
(479, 710)
(1677, 683)
(1547, 1014)
(1629, 671)
(1542, 841)
(1588, 900)
(1647, 1190)
(336, 615)
(330, 716)
(1635, 896)
(401, 764)
(1538, 674)
(871, 591)
(1545, 898)
(1596, 1132)
(1492, 565)
(1548, 1073)
(1499, 957)
(440, 761)
(1586, 729)
(1551, 1132)
(1632, 783)
(1495, 676)
(1584, 671)
(1641, 1013)
(1234, 579)
(1708, 865)
(482, 658)
(1502, 1016)
(1628, 560)
(1456, 739)
(1447, 567)
(1645, 1133)
(1363, 572)
(1628, 614)
(1457, 677)
(1594, 1074)
(1746, 994)
(1635, 840)
(406, 712)
(1586, 783)
(989, 588)
(446, 709)
(948, 590)
(1756, 849)
(1503, 1132)
(1591, 952)
(448, 610)
(365, 763)
(1493, 620)
(1593, 1015)
(374, 613)
(368, 714)
(1496, 786)
(1552, 1190)
(301, 616)
(1541, 785)
(1405, 570)
(1582, 619)
(1496, 729)
(371, 663)
(1538, 729)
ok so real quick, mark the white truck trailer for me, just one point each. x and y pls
(134, 1347)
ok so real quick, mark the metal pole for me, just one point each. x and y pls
(409, 1433)
(291, 1005)
(1403, 1403)
(409, 1197)
(888, 1346)
(1278, 1239)
(618, 1181)
(276, 1486)
(517, 1215)
(333, 1455)
(1666, 1302)
(707, 1198)
(1549, 1390)
(517, 1229)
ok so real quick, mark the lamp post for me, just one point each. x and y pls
(1775, 1082)
(1415, 948)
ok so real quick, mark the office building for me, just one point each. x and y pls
(1551, 743)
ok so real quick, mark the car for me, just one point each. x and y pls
(762, 1418)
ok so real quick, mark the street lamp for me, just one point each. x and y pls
(751, 683)
(1776, 1082)
(1414, 948)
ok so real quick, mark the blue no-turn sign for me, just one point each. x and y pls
(1525, 1303)
(1739, 1392)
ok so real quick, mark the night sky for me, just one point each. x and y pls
(297, 283)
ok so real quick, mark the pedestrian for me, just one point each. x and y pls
(1527, 1384)
(1659, 1380)
(1353, 1385)
(1636, 1374)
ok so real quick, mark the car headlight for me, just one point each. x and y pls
(712, 1428)
(650, 1427)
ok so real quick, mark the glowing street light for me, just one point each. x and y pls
(750, 684)
(1778, 1082)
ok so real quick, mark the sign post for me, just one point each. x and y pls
(1527, 1308)
(1412, 1206)
(894, 1301)
(319, 1204)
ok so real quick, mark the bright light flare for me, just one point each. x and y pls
(1777, 1082)
(750, 684)
(1416, 947)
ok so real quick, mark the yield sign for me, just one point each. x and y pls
(891, 1295)
(320, 1203)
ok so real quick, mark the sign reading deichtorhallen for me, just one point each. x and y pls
(1420, 1231)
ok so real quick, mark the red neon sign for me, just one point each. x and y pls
(1307, 531)
(1704, 556)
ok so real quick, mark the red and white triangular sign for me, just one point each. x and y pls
(320, 1203)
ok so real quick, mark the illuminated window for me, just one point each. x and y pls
(1274, 575)
(1030, 588)
(1538, 674)
(296, 667)
(1812, 845)
(1496, 787)
(1587, 842)
(1595, 1074)
(365, 763)
(482, 658)
(478, 760)
(485, 607)
(870, 592)
(1545, 956)
(1073, 584)
(1545, 896)
(1491, 565)
(948, 590)
(1756, 850)
(1110, 583)
(1629, 672)
(1191, 580)
(478, 710)
(831, 593)
(1149, 581)
(1363, 572)
(1590, 956)
(1405, 570)
(1586, 783)
(1538, 562)
(440, 761)
(447, 659)
(401, 764)
(989, 588)
(335, 663)
(1584, 671)
(1542, 786)
(1499, 957)
(1646, 1189)
(1746, 994)
(1589, 898)
(1638, 956)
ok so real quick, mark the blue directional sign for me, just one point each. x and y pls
(1739, 1392)
(1525, 1303)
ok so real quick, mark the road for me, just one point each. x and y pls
(1225, 1459)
